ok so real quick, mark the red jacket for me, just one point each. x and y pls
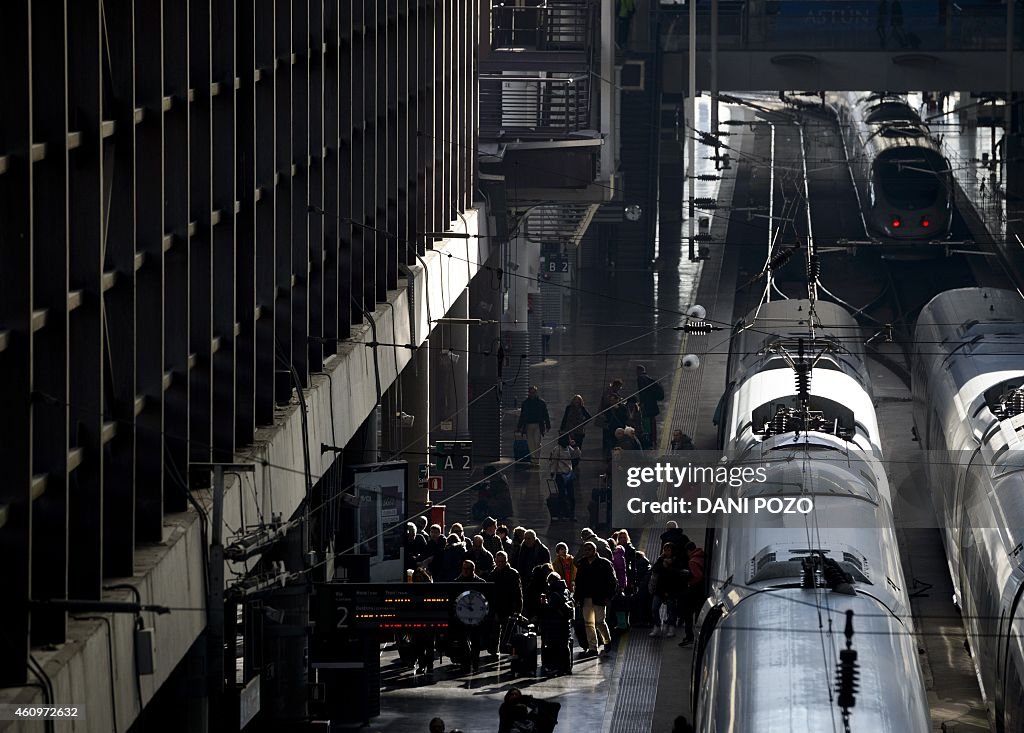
(696, 567)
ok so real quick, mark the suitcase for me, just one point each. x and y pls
(515, 625)
(556, 655)
(521, 453)
(524, 654)
(558, 505)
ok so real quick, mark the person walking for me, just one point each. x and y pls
(603, 548)
(681, 441)
(574, 420)
(563, 472)
(534, 422)
(489, 531)
(649, 394)
(507, 598)
(595, 585)
(451, 559)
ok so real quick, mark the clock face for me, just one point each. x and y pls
(471, 607)
(633, 212)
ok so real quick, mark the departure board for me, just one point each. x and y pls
(354, 607)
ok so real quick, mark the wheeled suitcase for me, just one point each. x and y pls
(558, 505)
(524, 654)
(556, 656)
(521, 453)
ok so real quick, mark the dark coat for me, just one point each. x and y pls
(649, 393)
(492, 543)
(595, 579)
(530, 557)
(574, 420)
(483, 559)
(451, 562)
(534, 410)
(508, 592)
(669, 579)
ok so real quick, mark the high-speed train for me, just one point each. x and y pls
(903, 181)
(968, 386)
(771, 633)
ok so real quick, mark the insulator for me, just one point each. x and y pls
(813, 267)
(698, 328)
(808, 577)
(847, 678)
(780, 258)
(803, 382)
(705, 203)
(708, 177)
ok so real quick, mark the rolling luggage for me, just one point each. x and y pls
(556, 656)
(524, 654)
(558, 505)
(515, 625)
(521, 453)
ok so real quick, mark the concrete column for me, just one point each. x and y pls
(536, 306)
(413, 399)
(485, 295)
(515, 323)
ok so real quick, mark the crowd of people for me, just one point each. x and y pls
(589, 588)
(606, 584)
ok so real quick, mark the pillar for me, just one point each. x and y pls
(515, 323)
(414, 400)
(485, 373)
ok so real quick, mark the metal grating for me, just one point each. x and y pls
(191, 196)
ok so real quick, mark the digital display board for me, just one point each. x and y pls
(354, 607)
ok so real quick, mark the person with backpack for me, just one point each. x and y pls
(649, 394)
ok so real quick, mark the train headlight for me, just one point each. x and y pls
(896, 222)
(924, 222)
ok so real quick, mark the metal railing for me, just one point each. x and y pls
(533, 107)
(806, 25)
(542, 25)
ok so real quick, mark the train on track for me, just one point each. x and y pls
(771, 634)
(903, 181)
(968, 392)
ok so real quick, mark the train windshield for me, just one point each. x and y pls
(911, 179)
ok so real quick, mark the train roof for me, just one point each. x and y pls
(781, 324)
(774, 642)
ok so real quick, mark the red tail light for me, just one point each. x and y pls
(924, 222)
(896, 222)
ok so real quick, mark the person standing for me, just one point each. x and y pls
(693, 597)
(531, 554)
(896, 22)
(564, 566)
(574, 420)
(534, 422)
(475, 636)
(881, 22)
(508, 595)
(649, 394)
(666, 585)
(479, 554)
(595, 585)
